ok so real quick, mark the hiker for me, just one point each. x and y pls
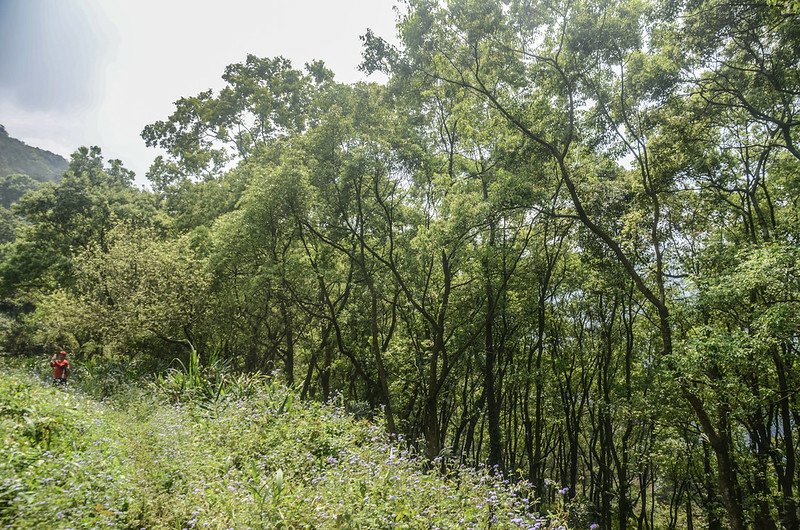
(60, 366)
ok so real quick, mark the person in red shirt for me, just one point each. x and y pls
(60, 366)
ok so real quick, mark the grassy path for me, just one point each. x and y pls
(255, 461)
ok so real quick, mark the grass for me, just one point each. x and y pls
(255, 459)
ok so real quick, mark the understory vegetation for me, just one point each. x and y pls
(253, 457)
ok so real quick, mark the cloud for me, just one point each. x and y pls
(61, 132)
(95, 72)
(52, 53)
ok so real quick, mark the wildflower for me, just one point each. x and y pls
(563, 491)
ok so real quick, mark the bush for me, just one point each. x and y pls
(15, 336)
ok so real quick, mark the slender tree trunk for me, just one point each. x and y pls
(377, 354)
(537, 477)
(433, 443)
(492, 405)
(623, 463)
(711, 502)
(790, 520)
(325, 376)
(726, 470)
(288, 364)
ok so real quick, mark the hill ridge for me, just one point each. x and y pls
(17, 156)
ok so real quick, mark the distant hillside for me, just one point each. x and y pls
(18, 157)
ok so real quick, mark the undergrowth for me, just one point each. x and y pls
(153, 457)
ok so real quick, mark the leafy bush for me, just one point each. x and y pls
(16, 334)
(206, 383)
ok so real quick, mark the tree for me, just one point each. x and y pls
(134, 290)
(264, 99)
(557, 74)
(64, 218)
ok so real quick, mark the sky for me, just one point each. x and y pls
(95, 72)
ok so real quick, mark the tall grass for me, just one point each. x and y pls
(251, 457)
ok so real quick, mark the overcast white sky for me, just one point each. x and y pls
(95, 72)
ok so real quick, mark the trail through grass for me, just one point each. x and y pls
(258, 461)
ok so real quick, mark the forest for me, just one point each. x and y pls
(559, 241)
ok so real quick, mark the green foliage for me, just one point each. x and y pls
(67, 217)
(561, 240)
(17, 334)
(13, 187)
(131, 289)
(208, 382)
(240, 462)
(263, 98)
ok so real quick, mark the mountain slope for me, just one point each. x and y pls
(18, 157)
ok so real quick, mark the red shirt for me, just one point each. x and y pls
(60, 366)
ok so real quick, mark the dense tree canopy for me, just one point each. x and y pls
(560, 240)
